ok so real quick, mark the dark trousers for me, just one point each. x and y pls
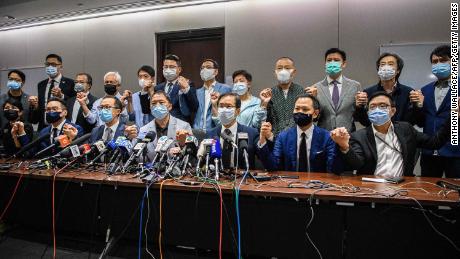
(436, 166)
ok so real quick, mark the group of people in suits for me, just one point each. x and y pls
(289, 127)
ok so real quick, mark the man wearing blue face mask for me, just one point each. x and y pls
(15, 84)
(229, 107)
(386, 149)
(302, 148)
(336, 93)
(83, 83)
(252, 111)
(56, 85)
(408, 101)
(164, 123)
(211, 88)
(179, 89)
(436, 108)
(109, 113)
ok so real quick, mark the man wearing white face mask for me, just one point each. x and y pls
(164, 123)
(141, 99)
(335, 93)
(280, 99)
(408, 101)
(179, 89)
(229, 107)
(252, 113)
(56, 85)
(208, 73)
(83, 83)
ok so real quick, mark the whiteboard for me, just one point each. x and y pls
(417, 66)
(33, 74)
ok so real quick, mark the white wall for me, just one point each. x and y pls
(257, 32)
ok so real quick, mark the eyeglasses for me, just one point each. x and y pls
(52, 64)
(106, 107)
(79, 82)
(380, 105)
(169, 67)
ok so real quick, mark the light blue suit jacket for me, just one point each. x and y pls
(199, 122)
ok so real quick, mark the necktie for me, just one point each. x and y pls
(169, 88)
(51, 87)
(303, 157)
(54, 134)
(227, 152)
(335, 94)
(108, 134)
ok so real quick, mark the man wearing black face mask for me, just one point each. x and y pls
(112, 86)
(302, 148)
(16, 133)
(55, 115)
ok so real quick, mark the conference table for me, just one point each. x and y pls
(315, 215)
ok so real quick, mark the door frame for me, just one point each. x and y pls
(162, 40)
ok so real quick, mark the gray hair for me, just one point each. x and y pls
(114, 73)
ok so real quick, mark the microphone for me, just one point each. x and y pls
(216, 153)
(228, 139)
(139, 148)
(243, 146)
(190, 149)
(61, 141)
(204, 150)
(103, 149)
(124, 147)
(118, 142)
(161, 141)
(29, 146)
(77, 142)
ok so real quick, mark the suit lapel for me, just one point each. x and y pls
(325, 89)
(345, 91)
(371, 142)
(445, 102)
(292, 146)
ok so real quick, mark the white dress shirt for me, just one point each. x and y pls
(331, 85)
(207, 99)
(389, 156)
(234, 130)
(309, 135)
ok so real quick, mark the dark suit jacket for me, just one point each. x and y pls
(81, 120)
(7, 138)
(323, 152)
(38, 115)
(405, 110)
(46, 142)
(183, 104)
(98, 132)
(253, 135)
(362, 154)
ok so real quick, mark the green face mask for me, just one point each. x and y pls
(333, 67)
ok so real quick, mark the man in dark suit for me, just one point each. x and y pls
(302, 148)
(386, 148)
(83, 83)
(229, 107)
(56, 85)
(109, 112)
(56, 112)
(179, 89)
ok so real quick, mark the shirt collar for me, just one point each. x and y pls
(339, 80)
(211, 87)
(56, 79)
(395, 88)
(443, 84)
(233, 128)
(113, 127)
(173, 82)
(308, 132)
(390, 130)
(59, 127)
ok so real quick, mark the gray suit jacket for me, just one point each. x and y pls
(331, 118)
(174, 125)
